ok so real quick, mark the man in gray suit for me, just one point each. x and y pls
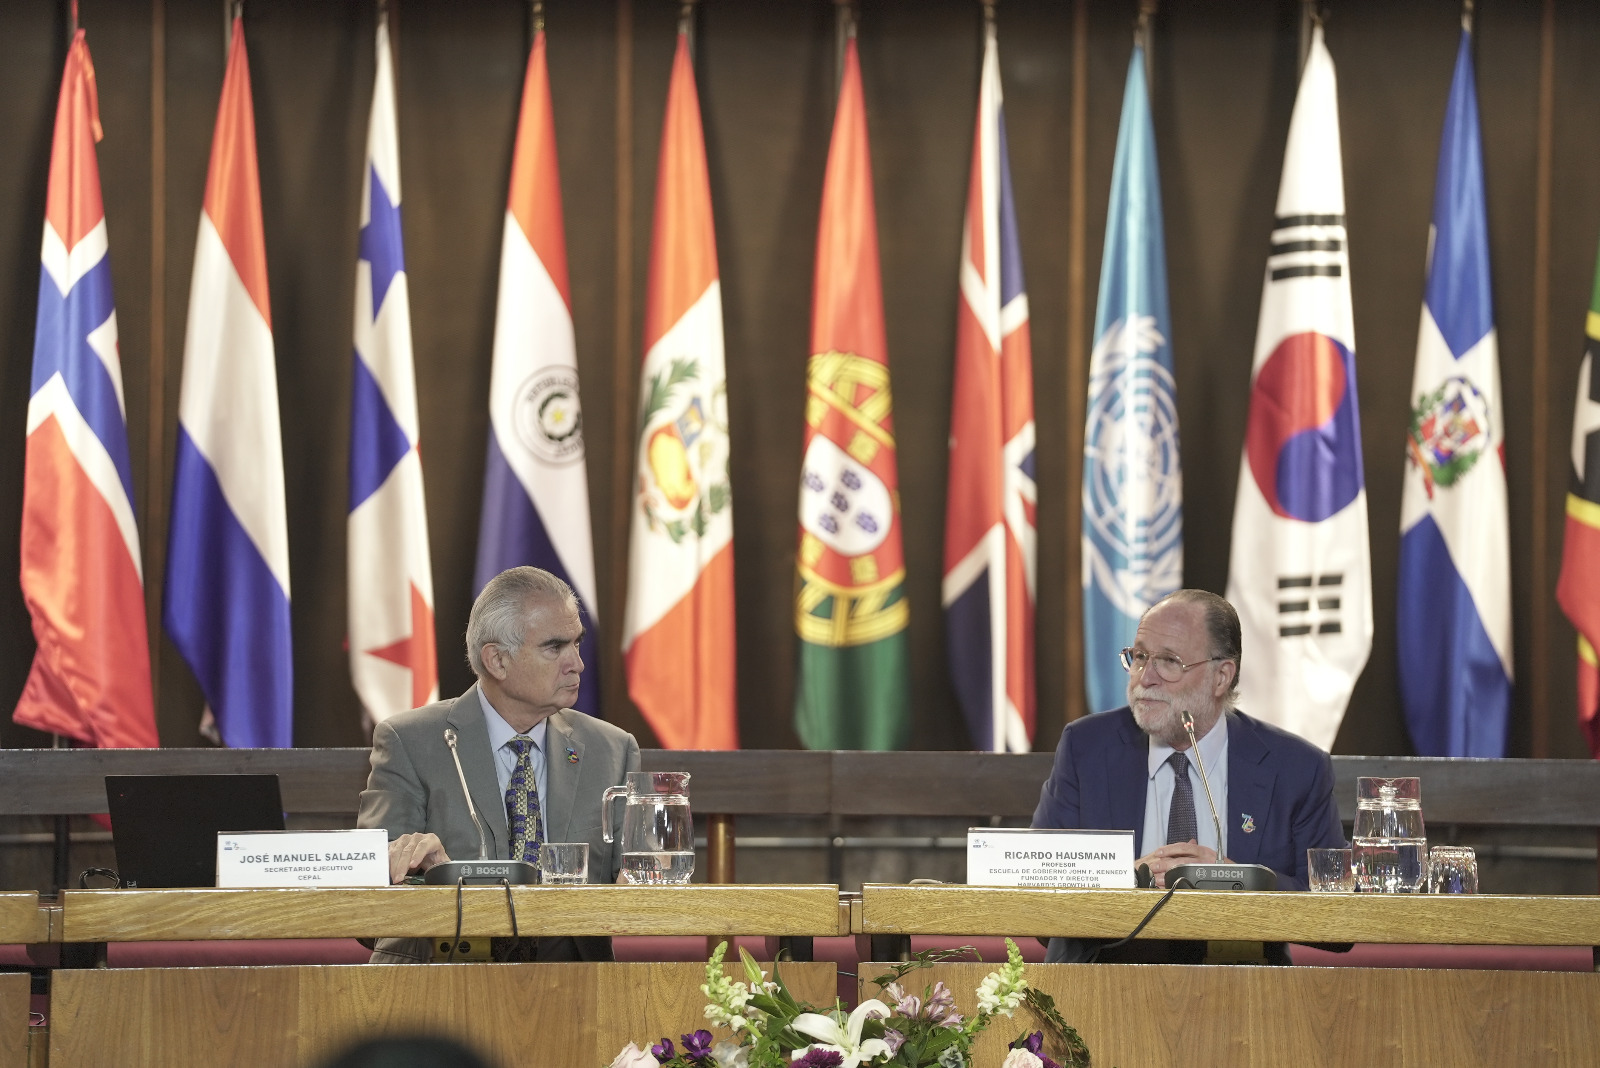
(522, 642)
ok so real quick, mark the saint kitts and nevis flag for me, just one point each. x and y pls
(1454, 591)
(990, 533)
(227, 585)
(678, 629)
(1301, 573)
(82, 577)
(535, 483)
(1132, 478)
(1579, 587)
(393, 658)
(850, 604)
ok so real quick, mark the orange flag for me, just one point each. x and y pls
(678, 628)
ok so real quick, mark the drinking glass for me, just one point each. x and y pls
(1390, 845)
(1452, 870)
(1330, 871)
(564, 863)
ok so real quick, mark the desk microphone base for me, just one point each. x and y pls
(1223, 876)
(482, 873)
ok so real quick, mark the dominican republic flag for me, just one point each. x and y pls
(1132, 478)
(1579, 587)
(227, 588)
(678, 629)
(81, 571)
(850, 607)
(1455, 571)
(535, 483)
(1301, 573)
(393, 658)
(989, 526)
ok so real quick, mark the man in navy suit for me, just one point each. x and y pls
(1132, 768)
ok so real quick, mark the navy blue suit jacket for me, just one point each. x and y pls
(1280, 790)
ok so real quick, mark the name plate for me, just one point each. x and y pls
(303, 858)
(1020, 856)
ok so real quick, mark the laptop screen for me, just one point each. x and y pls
(164, 827)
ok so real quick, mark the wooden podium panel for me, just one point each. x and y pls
(1310, 1017)
(21, 918)
(1451, 919)
(429, 911)
(15, 993)
(552, 1015)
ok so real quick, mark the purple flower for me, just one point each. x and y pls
(697, 1047)
(819, 1058)
(1032, 1043)
(941, 1003)
(662, 1051)
(894, 1039)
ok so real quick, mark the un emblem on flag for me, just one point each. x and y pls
(548, 417)
(1132, 479)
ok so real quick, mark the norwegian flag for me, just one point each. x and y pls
(81, 572)
(989, 545)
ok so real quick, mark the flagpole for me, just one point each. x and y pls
(1141, 37)
(844, 29)
(686, 24)
(1466, 15)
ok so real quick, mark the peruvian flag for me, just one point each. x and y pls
(227, 588)
(81, 571)
(989, 526)
(678, 629)
(393, 658)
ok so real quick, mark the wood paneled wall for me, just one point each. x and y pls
(1223, 80)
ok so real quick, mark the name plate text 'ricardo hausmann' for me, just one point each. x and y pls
(303, 858)
(1019, 856)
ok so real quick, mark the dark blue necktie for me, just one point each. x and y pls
(522, 804)
(1181, 825)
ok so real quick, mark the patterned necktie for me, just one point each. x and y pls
(1181, 825)
(522, 804)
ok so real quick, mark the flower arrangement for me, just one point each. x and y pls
(768, 1028)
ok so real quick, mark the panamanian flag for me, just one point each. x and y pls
(1132, 477)
(990, 534)
(393, 657)
(227, 587)
(1300, 573)
(535, 482)
(1455, 572)
(82, 577)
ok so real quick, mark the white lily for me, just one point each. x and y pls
(846, 1040)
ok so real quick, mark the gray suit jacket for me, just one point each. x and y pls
(413, 787)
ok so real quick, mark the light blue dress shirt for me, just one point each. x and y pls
(505, 757)
(1158, 795)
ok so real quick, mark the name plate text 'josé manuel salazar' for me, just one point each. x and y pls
(1020, 856)
(303, 858)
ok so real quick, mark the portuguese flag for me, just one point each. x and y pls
(850, 607)
(1579, 587)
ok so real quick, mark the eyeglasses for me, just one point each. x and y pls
(1168, 668)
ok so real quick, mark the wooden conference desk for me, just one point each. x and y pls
(22, 920)
(1174, 1014)
(585, 1013)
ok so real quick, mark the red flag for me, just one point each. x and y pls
(81, 571)
(678, 630)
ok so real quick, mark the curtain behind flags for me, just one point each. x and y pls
(1132, 477)
(535, 482)
(989, 539)
(1301, 574)
(1579, 587)
(82, 575)
(393, 658)
(227, 587)
(678, 630)
(850, 607)
(1455, 577)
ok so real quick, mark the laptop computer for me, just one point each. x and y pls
(164, 827)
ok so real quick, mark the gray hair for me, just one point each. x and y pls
(1222, 631)
(500, 614)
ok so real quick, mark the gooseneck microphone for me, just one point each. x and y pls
(1200, 762)
(1224, 875)
(483, 839)
(485, 870)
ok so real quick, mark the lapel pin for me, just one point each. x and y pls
(1247, 823)
(572, 755)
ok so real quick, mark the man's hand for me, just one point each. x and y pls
(1170, 856)
(414, 853)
